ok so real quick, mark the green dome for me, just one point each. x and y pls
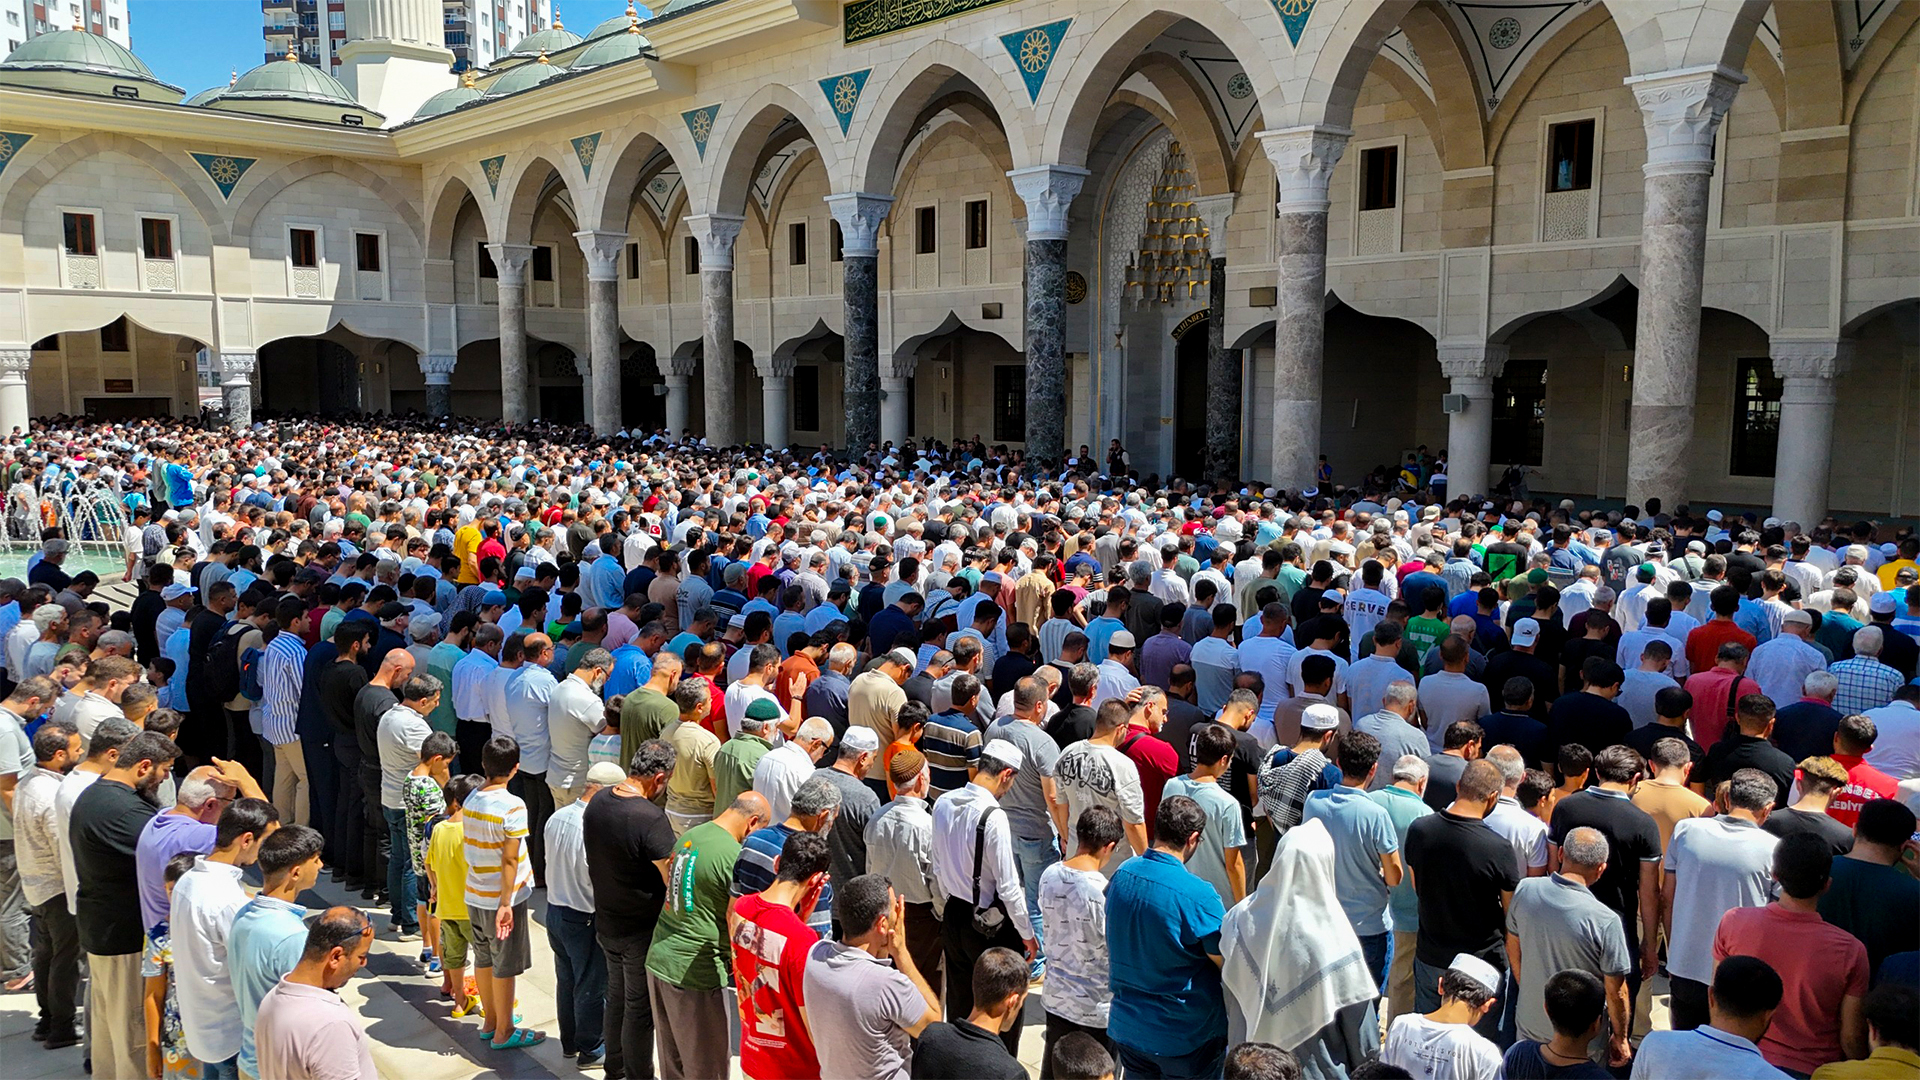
(675, 7)
(523, 77)
(613, 47)
(616, 25)
(551, 40)
(77, 50)
(206, 96)
(446, 101)
(290, 79)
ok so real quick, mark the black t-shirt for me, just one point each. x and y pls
(1071, 725)
(1182, 717)
(961, 1051)
(1742, 566)
(1518, 730)
(1805, 729)
(1306, 604)
(369, 705)
(1553, 636)
(1791, 822)
(340, 683)
(1588, 719)
(1742, 751)
(1460, 869)
(1633, 840)
(919, 688)
(1526, 1062)
(1575, 653)
(624, 835)
(1008, 670)
(1643, 738)
(1518, 665)
(105, 827)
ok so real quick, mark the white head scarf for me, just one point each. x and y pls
(1290, 958)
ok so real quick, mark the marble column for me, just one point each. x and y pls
(1048, 191)
(1303, 159)
(715, 234)
(583, 367)
(1681, 111)
(438, 370)
(16, 409)
(1223, 364)
(860, 214)
(236, 388)
(510, 262)
(679, 403)
(1471, 366)
(776, 402)
(602, 250)
(895, 408)
(1809, 372)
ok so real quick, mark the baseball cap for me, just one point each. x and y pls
(394, 609)
(1320, 718)
(493, 598)
(175, 592)
(1526, 631)
(606, 774)
(1121, 639)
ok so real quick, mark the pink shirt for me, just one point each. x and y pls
(620, 630)
(305, 1033)
(1819, 964)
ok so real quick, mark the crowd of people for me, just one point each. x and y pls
(830, 765)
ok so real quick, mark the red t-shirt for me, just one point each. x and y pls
(1703, 645)
(1715, 692)
(1864, 784)
(1819, 964)
(769, 959)
(1157, 762)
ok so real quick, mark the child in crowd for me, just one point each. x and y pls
(423, 801)
(167, 1056)
(446, 864)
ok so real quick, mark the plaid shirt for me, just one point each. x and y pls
(1865, 683)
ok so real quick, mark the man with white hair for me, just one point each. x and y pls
(1518, 826)
(1865, 682)
(1781, 665)
(783, 769)
(1556, 924)
(1403, 795)
(1394, 726)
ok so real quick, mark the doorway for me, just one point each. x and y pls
(1190, 402)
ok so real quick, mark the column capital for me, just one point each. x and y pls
(510, 262)
(1213, 209)
(775, 367)
(438, 368)
(602, 250)
(715, 233)
(1048, 191)
(859, 214)
(1682, 110)
(1303, 159)
(15, 362)
(1472, 359)
(236, 368)
(1810, 358)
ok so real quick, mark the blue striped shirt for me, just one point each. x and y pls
(754, 872)
(281, 668)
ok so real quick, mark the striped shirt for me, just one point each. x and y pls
(754, 872)
(281, 666)
(491, 817)
(951, 743)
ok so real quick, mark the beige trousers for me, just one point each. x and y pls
(292, 795)
(115, 1020)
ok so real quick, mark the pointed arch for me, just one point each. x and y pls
(443, 214)
(1192, 122)
(628, 157)
(524, 186)
(1669, 35)
(1810, 59)
(1537, 67)
(904, 99)
(1337, 67)
(1457, 125)
(192, 186)
(386, 190)
(1866, 67)
(742, 141)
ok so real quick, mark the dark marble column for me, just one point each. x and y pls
(1681, 111)
(510, 262)
(715, 234)
(1223, 383)
(602, 250)
(860, 214)
(438, 370)
(1048, 191)
(1303, 159)
(236, 387)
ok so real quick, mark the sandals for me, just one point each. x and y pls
(469, 1006)
(520, 1040)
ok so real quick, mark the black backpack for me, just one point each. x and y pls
(223, 663)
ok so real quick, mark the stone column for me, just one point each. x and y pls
(602, 373)
(236, 388)
(860, 214)
(1471, 366)
(1048, 191)
(679, 403)
(438, 369)
(1809, 371)
(895, 408)
(510, 261)
(16, 409)
(715, 234)
(583, 367)
(1303, 159)
(1681, 111)
(776, 401)
(1223, 364)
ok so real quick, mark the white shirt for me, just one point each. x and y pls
(71, 785)
(1273, 659)
(1896, 751)
(1435, 1051)
(1296, 687)
(1115, 683)
(1170, 587)
(1705, 1053)
(398, 738)
(1364, 608)
(205, 901)
(1781, 666)
(1524, 832)
(1637, 694)
(36, 839)
(779, 774)
(955, 817)
(575, 714)
(741, 694)
(567, 882)
(469, 687)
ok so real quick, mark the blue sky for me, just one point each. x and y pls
(194, 44)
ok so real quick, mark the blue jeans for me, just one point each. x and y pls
(1374, 948)
(400, 887)
(1034, 857)
(1202, 1063)
(221, 1070)
(579, 978)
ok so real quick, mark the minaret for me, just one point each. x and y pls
(396, 55)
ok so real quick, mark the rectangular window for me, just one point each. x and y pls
(1380, 178)
(693, 254)
(1570, 156)
(543, 263)
(113, 336)
(336, 20)
(1009, 403)
(806, 398)
(156, 238)
(1519, 416)
(1756, 418)
(925, 222)
(304, 246)
(976, 224)
(633, 262)
(797, 244)
(79, 234)
(366, 251)
(485, 262)
(839, 253)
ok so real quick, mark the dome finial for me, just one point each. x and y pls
(557, 24)
(466, 78)
(77, 23)
(633, 20)
(543, 57)
(233, 76)
(291, 55)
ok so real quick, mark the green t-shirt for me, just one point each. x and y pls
(733, 767)
(690, 947)
(644, 715)
(1291, 579)
(1425, 633)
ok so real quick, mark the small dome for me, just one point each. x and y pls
(624, 45)
(616, 25)
(205, 96)
(675, 7)
(77, 60)
(552, 40)
(294, 90)
(448, 100)
(524, 77)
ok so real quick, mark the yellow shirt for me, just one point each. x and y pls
(1891, 569)
(447, 855)
(466, 541)
(1885, 1063)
